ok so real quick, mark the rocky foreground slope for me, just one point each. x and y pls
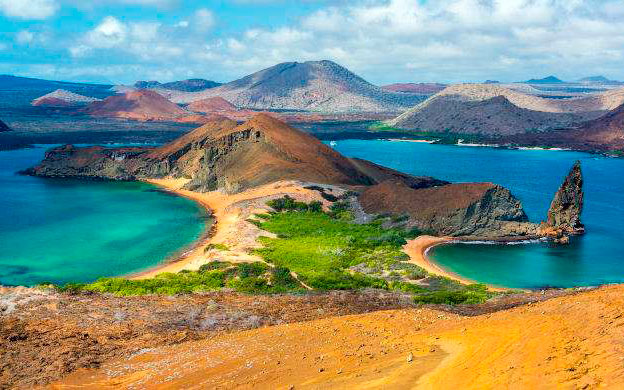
(320, 86)
(570, 342)
(222, 155)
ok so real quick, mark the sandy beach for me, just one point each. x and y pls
(231, 228)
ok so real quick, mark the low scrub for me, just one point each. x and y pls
(253, 278)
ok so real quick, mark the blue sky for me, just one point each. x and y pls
(384, 41)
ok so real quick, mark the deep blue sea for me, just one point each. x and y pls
(60, 230)
(533, 176)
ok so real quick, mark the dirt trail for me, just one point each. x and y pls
(568, 342)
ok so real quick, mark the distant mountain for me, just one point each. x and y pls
(491, 82)
(421, 88)
(190, 85)
(494, 110)
(545, 80)
(599, 80)
(138, 105)
(4, 127)
(63, 98)
(495, 116)
(319, 86)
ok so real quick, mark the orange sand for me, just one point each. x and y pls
(572, 342)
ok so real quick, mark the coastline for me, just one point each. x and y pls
(417, 250)
(230, 227)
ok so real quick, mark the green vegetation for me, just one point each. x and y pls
(327, 251)
(220, 247)
(254, 278)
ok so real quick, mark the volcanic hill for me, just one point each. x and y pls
(63, 98)
(138, 105)
(320, 86)
(491, 109)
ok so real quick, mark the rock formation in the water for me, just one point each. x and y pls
(564, 215)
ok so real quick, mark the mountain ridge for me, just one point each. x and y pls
(318, 86)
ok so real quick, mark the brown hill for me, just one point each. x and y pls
(212, 104)
(142, 105)
(224, 155)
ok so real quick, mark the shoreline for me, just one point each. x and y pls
(418, 248)
(229, 228)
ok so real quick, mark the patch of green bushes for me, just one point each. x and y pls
(254, 278)
(287, 203)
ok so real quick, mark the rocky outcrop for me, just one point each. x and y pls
(464, 209)
(564, 215)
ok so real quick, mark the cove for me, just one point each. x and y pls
(533, 176)
(66, 230)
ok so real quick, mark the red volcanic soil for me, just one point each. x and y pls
(144, 105)
(213, 104)
(424, 88)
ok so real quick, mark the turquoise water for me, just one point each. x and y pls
(533, 177)
(59, 230)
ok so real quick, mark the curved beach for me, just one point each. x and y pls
(230, 228)
(417, 250)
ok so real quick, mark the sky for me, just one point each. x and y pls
(384, 41)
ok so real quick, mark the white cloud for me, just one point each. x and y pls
(391, 40)
(109, 33)
(24, 37)
(29, 9)
(204, 19)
